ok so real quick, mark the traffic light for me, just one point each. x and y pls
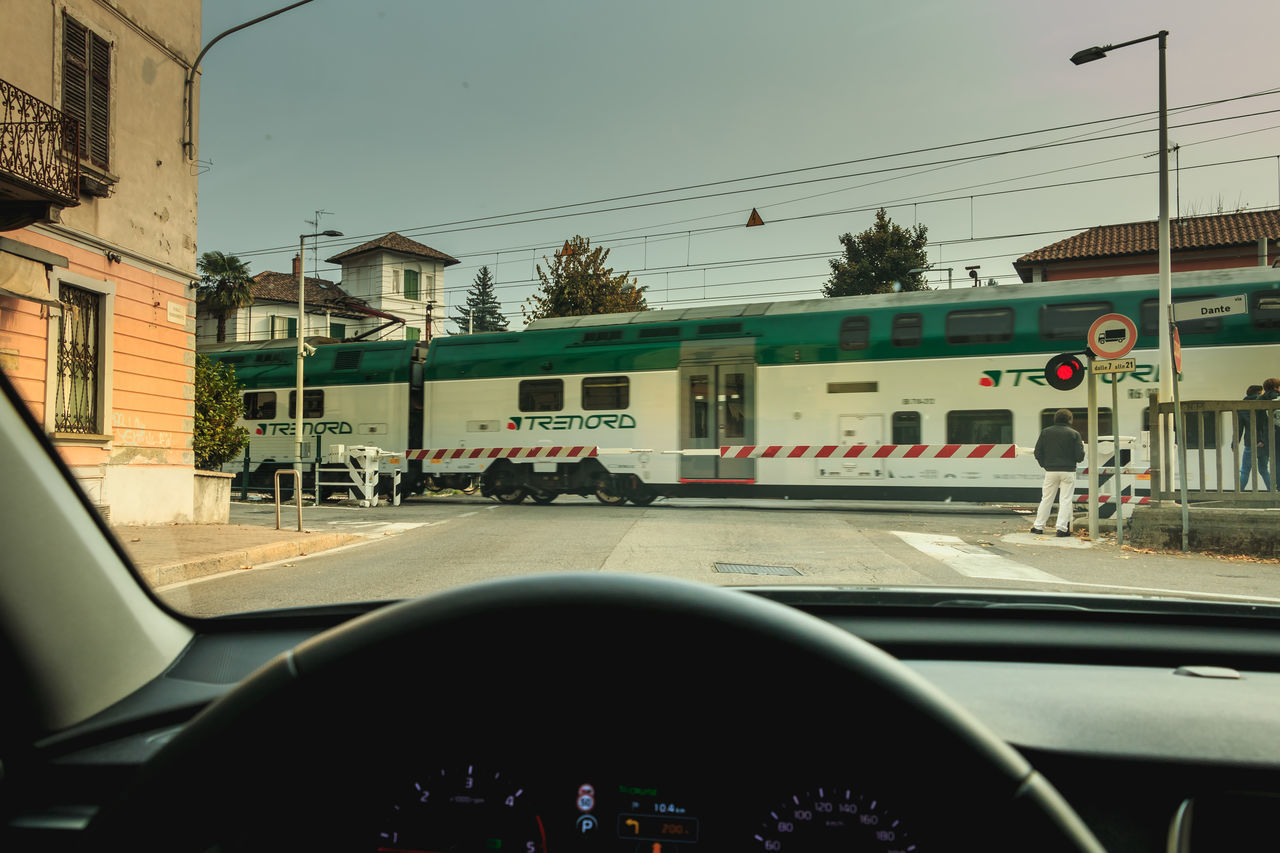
(1064, 372)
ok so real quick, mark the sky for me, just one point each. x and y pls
(494, 130)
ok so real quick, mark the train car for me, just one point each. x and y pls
(360, 393)
(931, 395)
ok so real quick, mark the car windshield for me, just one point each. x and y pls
(353, 302)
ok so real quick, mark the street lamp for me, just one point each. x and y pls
(297, 399)
(1089, 54)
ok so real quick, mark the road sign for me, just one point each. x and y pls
(1218, 306)
(1177, 351)
(1112, 336)
(1113, 365)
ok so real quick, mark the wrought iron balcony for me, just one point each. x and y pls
(39, 151)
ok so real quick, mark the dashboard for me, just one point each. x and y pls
(1158, 728)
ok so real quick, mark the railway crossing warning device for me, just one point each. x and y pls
(1064, 372)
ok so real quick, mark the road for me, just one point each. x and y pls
(431, 544)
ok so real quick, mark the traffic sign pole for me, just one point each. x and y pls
(1115, 457)
(1093, 451)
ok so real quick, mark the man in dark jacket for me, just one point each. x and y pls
(1058, 450)
(1249, 438)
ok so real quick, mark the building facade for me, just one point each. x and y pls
(98, 242)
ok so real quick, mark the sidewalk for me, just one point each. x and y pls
(169, 553)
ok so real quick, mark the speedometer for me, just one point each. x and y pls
(833, 818)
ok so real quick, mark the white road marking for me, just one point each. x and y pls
(972, 561)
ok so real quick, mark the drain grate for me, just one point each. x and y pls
(747, 569)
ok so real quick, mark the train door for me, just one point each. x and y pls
(717, 409)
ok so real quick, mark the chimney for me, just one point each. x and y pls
(297, 266)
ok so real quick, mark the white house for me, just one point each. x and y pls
(399, 276)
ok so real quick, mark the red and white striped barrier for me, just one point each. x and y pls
(1124, 499)
(540, 452)
(868, 451)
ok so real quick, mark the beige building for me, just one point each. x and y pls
(98, 242)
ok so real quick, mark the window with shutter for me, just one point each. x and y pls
(86, 88)
(410, 284)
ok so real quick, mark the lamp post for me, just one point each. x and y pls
(297, 397)
(1089, 54)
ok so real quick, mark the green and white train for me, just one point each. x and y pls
(934, 395)
(361, 393)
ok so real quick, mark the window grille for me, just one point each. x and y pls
(79, 362)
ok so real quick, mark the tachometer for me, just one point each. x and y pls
(832, 819)
(466, 808)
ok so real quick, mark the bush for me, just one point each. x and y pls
(217, 439)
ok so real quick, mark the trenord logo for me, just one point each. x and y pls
(530, 423)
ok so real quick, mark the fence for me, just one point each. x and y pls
(1219, 435)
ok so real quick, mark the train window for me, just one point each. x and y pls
(259, 405)
(1196, 431)
(1080, 420)
(1070, 321)
(980, 426)
(541, 395)
(312, 404)
(602, 336)
(906, 427)
(980, 326)
(699, 405)
(735, 413)
(606, 392)
(855, 333)
(1264, 309)
(906, 331)
(1150, 314)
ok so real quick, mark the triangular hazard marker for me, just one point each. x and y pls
(566, 250)
(754, 219)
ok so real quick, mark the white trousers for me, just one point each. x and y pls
(1060, 485)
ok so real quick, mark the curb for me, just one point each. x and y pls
(243, 558)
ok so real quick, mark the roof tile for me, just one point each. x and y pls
(1140, 238)
(394, 242)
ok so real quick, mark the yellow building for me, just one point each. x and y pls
(98, 242)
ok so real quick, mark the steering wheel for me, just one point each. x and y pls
(554, 666)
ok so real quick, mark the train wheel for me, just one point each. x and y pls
(543, 497)
(643, 498)
(608, 498)
(471, 488)
(514, 496)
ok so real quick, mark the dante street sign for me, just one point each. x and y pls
(1218, 306)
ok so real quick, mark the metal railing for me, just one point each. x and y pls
(39, 145)
(1218, 434)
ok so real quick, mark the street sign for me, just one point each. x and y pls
(1218, 306)
(1113, 365)
(1177, 351)
(1112, 336)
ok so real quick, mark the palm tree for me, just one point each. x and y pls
(223, 287)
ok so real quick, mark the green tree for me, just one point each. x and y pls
(484, 312)
(578, 282)
(223, 287)
(878, 258)
(217, 438)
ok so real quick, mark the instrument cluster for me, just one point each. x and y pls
(478, 807)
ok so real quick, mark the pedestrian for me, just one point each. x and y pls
(1058, 450)
(1265, 427)
(1253, 392)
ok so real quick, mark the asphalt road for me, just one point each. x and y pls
(431, 544)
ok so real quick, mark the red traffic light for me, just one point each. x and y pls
(1064, 372)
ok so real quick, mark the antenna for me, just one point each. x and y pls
(315, 242)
